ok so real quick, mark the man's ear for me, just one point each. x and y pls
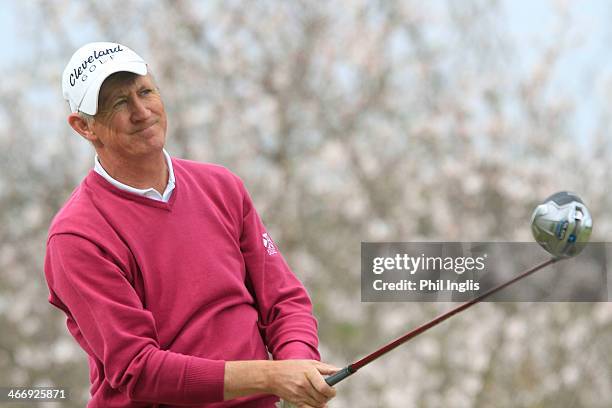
(82, 127)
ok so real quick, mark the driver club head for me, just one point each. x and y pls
(562, 224)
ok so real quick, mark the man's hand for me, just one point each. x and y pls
(299, 382)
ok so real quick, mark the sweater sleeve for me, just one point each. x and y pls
(286, 320)
(107, 318)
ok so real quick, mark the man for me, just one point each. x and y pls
(169, 281)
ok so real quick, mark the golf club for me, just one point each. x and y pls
(562, 225)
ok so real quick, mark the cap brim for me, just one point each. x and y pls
(89, 104)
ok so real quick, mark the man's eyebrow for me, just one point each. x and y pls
(146, 86)
(123, 93)
(116, 95)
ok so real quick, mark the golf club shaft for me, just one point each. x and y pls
(352, 368)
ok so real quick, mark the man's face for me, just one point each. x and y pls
(131, 120)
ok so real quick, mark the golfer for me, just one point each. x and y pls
(167, 276)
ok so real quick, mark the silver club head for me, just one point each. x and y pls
(562, 224)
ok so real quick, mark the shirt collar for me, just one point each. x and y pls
(147, 192)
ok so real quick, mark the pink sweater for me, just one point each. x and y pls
(160, 295)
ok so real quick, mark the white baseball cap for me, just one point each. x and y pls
(89, 66)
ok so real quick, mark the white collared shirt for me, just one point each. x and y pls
(148, 192)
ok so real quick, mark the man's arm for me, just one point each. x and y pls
(286, 319)
(107, 318)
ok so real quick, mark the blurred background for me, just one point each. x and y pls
(349, 121)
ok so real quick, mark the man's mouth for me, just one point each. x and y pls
(142, 129)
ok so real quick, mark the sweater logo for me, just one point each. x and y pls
(268, 244)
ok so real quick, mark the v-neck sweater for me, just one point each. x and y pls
(160, 295)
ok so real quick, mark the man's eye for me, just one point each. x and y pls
(119, 103)
(146, 91)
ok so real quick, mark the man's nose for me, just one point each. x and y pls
(139, 110)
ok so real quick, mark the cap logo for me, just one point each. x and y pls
(88, 63)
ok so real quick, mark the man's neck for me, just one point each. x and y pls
(141, 173)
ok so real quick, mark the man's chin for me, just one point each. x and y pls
(150, 145)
